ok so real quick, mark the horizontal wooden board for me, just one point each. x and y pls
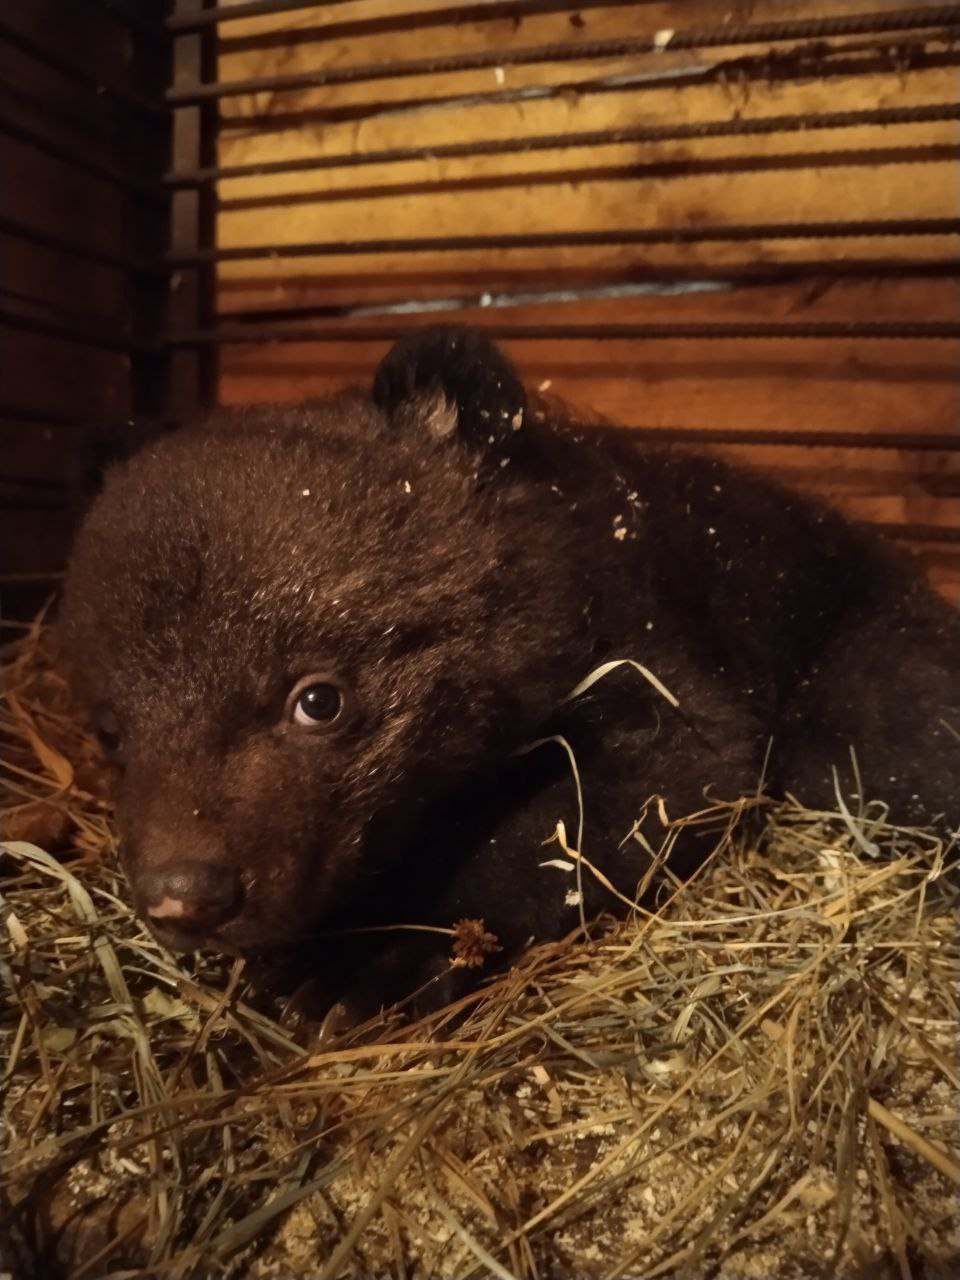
(877, 387)
(73, 289)
(859, 172)
(51, 375)
(33, 542)
(53, 197)
(34, 453)
(84, 38)
(499, 37)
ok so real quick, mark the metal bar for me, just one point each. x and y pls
(24, 44)
(660, 170)
(12, 412)
(34, 304)
(592, 239)
(768, 68)
(928, 113)
(938, 330)
(149, 28)
(60, 244)
(917, 532)
(182, 23)
(106, 173)
(588, 50)
(417, 20)
(93, 129)
(147, 151)
(92, 335)
(902, 441)
(193, 373)
(540, 283)
(603, 287)
(220, 14)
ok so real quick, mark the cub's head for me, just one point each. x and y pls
(297, 629)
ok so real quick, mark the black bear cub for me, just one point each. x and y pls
(318, 641)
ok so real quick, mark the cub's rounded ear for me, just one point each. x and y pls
(451, 381)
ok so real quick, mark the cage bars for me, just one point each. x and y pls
(587, 50)
(927, 113)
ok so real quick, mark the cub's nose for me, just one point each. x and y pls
(192, 896)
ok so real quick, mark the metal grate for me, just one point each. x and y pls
(140, 293)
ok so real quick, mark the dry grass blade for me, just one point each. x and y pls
(760, 1073)
(599, 672)
(910, 1138)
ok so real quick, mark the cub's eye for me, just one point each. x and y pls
(318, 704)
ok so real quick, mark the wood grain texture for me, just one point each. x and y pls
(851, 173)
(868, 387)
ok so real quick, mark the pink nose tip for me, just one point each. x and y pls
(194, 895)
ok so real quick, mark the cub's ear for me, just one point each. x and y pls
(450, 381)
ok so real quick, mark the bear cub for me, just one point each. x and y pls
(320, 642)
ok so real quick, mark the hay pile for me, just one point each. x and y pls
(758, 1081)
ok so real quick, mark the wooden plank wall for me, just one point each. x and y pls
(78, 327)
(77, 136)
(45, 376)
(866, 388)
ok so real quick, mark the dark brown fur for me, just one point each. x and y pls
(460, 569)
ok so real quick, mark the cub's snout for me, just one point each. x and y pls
(185, 902)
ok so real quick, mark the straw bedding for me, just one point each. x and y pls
(759, 1080)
